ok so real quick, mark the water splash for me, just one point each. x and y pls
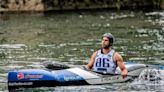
(150, 79)
(150, 75)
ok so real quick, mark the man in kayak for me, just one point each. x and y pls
(106, 60)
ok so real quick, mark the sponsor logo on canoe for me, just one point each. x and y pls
(33, 76)
(20, 83)
(111, 78)
(29, 76)
(20, 76)
(71, 78)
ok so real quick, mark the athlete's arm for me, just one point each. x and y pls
(91, 61)
(118, 58)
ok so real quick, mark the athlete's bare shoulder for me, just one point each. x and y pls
(117, 57)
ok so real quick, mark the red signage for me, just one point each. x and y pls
(20, 76)
(33, 76)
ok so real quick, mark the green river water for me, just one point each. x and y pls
(27, 40)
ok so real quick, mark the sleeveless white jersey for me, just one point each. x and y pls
(104, 63)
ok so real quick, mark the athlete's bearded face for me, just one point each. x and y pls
(105, 43)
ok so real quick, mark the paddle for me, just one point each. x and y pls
(54, 65)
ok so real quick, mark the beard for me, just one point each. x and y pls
(104, 46)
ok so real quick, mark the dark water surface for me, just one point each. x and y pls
(27, 40)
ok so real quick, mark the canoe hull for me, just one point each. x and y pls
(73, 76)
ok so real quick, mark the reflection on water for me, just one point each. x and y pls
(29, 40)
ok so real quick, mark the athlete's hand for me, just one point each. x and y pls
(124, 74)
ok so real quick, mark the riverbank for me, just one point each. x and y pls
(50, 5)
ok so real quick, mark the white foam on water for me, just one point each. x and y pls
(13, 46)
(150, 80)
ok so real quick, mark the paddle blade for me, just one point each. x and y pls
(55, 65)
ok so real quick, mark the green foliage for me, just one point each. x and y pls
(120, 3)
(156, 3)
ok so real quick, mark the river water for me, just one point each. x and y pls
(27, 40)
